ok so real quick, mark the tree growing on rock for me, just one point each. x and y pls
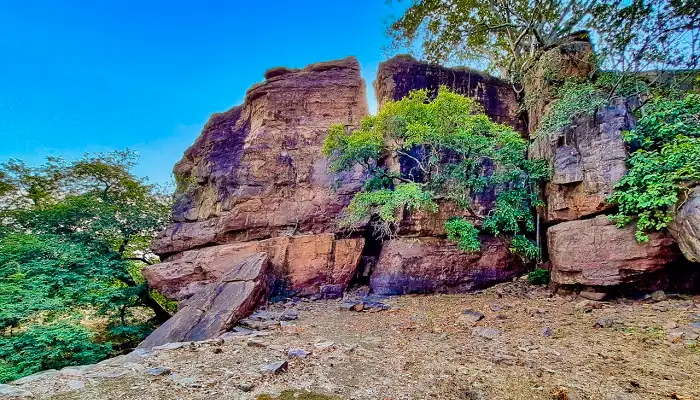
(509, 36)
(449, 151)
(73, 236)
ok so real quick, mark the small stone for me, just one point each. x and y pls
(674, 336)
(75, 384)
(694, 325)
(245, 386)
(486, 333)
(298, 353)
(658, 295)
(256, 343)
(275, 367)
(241, 330)
(588, 305)
(590, 295)
(12, 391)
(546, 331)
(323, 345)
(605, 322)
(670, 325)
(289, 315)
(358, 307)
(158, 371)
(496, 308)
(217, 350)
(469, 317)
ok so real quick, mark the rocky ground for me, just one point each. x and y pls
(513, 341)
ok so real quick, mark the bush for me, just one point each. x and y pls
(450, 151)
(539, 276)
(663, 166)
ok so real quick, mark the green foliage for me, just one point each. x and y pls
(49, 346)
(539, 276)
(449, 151)
(73, 238)
(666, 162)
(464, 233)
(519, 244)
(573, 99)
(508, 37)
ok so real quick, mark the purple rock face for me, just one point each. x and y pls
(398, 76)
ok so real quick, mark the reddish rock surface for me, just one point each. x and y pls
(398, 76)
(308, 262)
(685, 228)
(587, 159)
(219, 305)
(257, 170)
(430, 264)
(569, 61)
(594, 252)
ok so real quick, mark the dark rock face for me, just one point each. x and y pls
(398, 76)
(435, 265)
(685, 228)
(587, 158)
(217, 306)
(594, 252)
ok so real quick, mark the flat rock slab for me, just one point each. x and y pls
(216, 308)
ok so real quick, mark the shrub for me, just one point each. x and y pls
(539, 276)
(450, 151)
(663, 166)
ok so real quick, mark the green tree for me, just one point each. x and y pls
(664, 166)
(509, 36)
(73, 237)
(450, 151)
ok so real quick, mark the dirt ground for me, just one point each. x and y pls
(538, 347)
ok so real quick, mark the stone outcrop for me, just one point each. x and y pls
(685, 228)
(218, 305)
(256, 181)
(587, 158)
(594, 252)
(257, 171)
(398, 76)
(311, 264)
(571, 60)
(432, 264)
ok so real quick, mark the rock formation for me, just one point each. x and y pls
(433, 264)
(256, 172)
(215, 308)
(594, 252)
(398, 76)
(685, 228)
(587, 158)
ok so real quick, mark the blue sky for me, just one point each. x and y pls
(97, 75)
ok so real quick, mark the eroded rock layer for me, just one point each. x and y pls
(685, 228)
(432, 264)
(257, 171)
(594, 252)
(587, 158)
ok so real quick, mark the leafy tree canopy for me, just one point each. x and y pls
(663, 167)
(449, 151)
(73, 236)
(508, 36)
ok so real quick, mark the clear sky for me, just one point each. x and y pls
(97, 75)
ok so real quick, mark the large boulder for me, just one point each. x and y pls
(594, 252)
(685, 227)
(435, 265)
(257, 171)
(219, 305)
(310, 264)
(397, 76)
(587, 158)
